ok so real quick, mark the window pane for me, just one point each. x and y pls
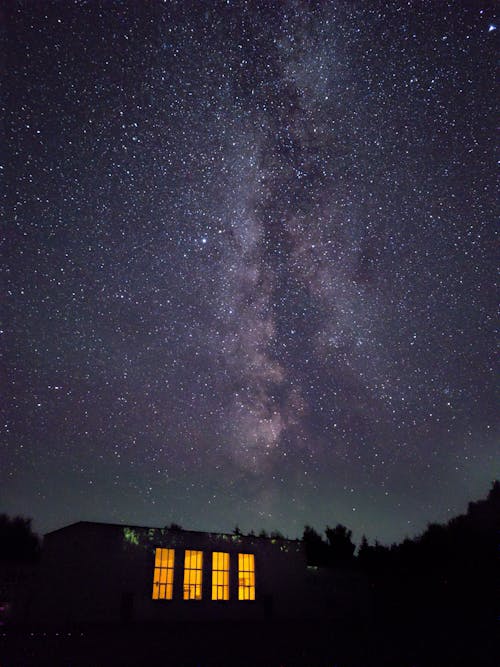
(163, 574)
(220, 575)
(193, 563)
(246, 577)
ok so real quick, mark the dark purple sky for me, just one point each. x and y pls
(248, 263)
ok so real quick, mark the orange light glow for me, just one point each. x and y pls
(246, 577)
(220, 575)
(163, 577)
(193, 563)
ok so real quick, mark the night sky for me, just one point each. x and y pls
(248, 263)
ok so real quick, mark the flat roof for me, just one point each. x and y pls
(172, 530)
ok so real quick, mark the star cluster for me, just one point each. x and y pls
(248, 263)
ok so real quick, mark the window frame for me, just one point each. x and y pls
(193, 576)
(164, 568)
(221, 571)
(246, 566)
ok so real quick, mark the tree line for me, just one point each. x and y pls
(465, 539)
(461, 540)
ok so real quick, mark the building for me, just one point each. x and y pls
(94, 573)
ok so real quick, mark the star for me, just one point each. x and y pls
(245, 239)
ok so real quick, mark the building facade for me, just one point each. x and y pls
(108, 573)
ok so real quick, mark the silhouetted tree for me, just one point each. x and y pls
(17, 540)
(315, 547)
(341, 546)
(276, 535)
(363, 554)
(374, 558)
(174, 527)
(443, 575)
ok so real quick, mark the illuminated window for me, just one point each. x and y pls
(220, 575)
(163, 578)
(246, 577)
(193, 561)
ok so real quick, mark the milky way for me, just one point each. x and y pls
(248, 263)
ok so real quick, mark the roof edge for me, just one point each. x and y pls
(172, 530)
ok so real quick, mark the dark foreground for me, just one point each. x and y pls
(268, 644)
